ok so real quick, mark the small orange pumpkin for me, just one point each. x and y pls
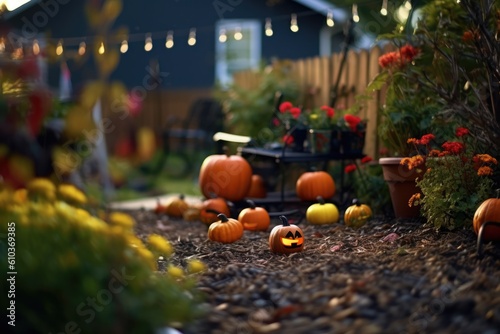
(488, 211)
(357, 214)
(211, 208)
(226, 230)
(227, 176)
(176, 206)
(312, 184)
(254, 218)
(160, 208)
(286, 238)
(257, 187)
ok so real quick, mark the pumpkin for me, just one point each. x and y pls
(211, 207)
(312, 184)
(227, 176)
(226, 230)
(160, 208)
(488, 211)
(322, 213)
(357, 214)
(286, 238)
(176, 206)
(254, 218)
(257, 187)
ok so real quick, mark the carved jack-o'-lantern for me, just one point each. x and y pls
(286, 238)
(254, 218)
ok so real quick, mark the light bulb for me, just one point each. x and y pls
(222, 36)
(355, 16)
(36, 47)
(293, 23)
(329, 20)
(59, 48)
(169, 43)
(101, 49)
(124, 46)
(148, 44)
(82, 48)
(238, 35)
(383, 10)
(192, 37)
(268, 27)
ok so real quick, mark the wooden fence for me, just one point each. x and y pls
(321, 74)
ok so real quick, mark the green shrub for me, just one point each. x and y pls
(78, 272)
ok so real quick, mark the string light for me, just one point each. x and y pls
(238, 35)
(169, 43)
(293, 23)
(36, 47)
(222, 36)
(59, 48)
(148, 44)
(355, 16)
(101, 49)
(192, 37)
(329, 19)
(124, 46)
(82, 48)
(268, 28)
(383, 10)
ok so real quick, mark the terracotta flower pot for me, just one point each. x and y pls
(402, 186)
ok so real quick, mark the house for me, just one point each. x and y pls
(176, 51)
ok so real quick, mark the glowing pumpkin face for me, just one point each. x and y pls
(286, 238)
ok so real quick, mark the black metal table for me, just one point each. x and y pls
(284, 156)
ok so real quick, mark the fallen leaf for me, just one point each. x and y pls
(391, 237)
(336, 248)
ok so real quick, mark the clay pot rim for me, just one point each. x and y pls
(390, 160)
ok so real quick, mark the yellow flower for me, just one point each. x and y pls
(175, 271)
(132, 240)
(121, 219)
(72, 194)
(160, 245)
(41, 187)
(44, 210)
(20, 196)
(195, 266)
(147, 256)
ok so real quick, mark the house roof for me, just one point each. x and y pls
(325, 7)
(21, 8)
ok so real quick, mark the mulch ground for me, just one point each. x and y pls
(390, 276)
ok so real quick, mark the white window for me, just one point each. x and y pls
(238, 47)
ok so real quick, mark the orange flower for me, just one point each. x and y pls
(414, 199)
(485, 171)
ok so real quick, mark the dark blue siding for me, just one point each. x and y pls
(187, 66)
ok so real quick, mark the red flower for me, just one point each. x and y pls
(352, 121)
(285, 106)
(460, 132)
(453, 147)
(350, 168)
(366, 159)
(426, 139)
(330, 112)
(388, 60)
(295, 111)
(287, 139)
(408, 53)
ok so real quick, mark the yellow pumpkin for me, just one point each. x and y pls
(322, 213)
(225, 230)
(286, 238)
(488, 211)
(254, 218)
(357, 214)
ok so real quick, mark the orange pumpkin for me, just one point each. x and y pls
(211, 208)
(254, 218)
(176, 206)
(286, 238)
(227, 176)
(257, 187)
(226, 230)
(312, 184)
(160, 208)
(488, 211)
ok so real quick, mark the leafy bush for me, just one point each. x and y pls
(76, 271)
